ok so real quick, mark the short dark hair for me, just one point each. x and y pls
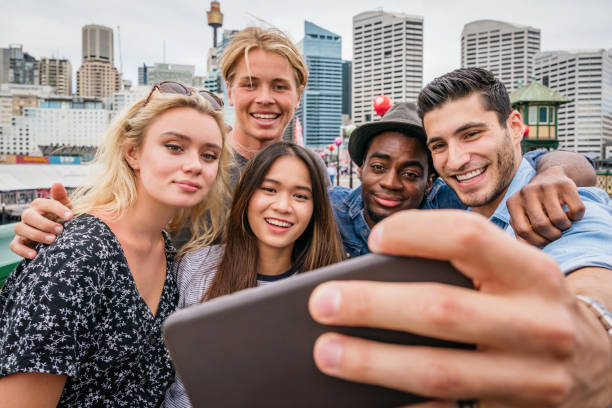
(461, 83)
(407, 133)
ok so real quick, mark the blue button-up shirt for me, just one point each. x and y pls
(587, 242)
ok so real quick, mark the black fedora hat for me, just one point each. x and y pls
(402, 116)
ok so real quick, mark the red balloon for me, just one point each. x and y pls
(382, 103)
(331, 148)
(526, 131)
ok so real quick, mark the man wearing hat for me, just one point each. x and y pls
(396, 173)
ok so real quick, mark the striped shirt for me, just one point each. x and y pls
(195, 272)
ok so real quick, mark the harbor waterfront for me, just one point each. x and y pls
(8, 260)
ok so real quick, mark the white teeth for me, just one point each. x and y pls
(471, 174)
(265, 115)
(278, 223)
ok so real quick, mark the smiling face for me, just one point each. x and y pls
(472, 152)
(265, 95)
(281, 208)
(394, 175)
(179, 159)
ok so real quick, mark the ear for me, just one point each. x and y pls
(300, 91)
(359, 169)
(228, 86)
(430, 180)
(132, 157)
(516, 126)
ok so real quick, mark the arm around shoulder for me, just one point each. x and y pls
(574, 165)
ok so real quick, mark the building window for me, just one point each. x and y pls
(543, 116)
(532, 115)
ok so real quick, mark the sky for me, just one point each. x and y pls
(53, 28)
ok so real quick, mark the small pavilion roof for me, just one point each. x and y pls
(536, 92)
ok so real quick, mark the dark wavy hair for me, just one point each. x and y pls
(318, 246)
(461, 83)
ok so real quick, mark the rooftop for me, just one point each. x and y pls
(536, 92)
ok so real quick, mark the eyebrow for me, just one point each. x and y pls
(460, 129)
(273, 181)
(188, 139)
(407, 163)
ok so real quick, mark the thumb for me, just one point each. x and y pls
(58, 193)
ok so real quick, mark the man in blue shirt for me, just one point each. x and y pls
(541, 319)
(396, 173)
(476, 149)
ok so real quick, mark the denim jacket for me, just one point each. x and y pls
(347, 206)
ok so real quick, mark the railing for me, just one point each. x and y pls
(604, 181)
(8, 260)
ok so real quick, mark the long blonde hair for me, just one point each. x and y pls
(270, 39)
(111, 187)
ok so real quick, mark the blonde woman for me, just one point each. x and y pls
(265, 76)
(80, 325)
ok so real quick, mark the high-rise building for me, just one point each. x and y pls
(320, 110)
(97, 76)
(505, 49)
(142, 74)
(97, 79)
(17, 66)
(170, 72)
(585, 76)
(57, 73)
(387, 59)
(98, 43)
(347, 69)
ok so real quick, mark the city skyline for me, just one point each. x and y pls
(564, 25)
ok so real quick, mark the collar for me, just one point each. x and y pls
(272, 278)
(521, 178)
(354, 202)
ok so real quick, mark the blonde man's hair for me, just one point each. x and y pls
(271, 39)
(111, 187)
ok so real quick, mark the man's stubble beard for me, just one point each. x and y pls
(506, 162)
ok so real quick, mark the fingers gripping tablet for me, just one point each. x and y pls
(254, 347)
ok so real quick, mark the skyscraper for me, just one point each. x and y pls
(57, 73)
(97, 76)
(17, 66)
(505, 49)
(347, 99)
(387, 59)
(98, 43)
(585, 76)
(149, 75)
(320, 109)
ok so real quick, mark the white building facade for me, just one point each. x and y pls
(505, 49)
(127, 97)
(387, 59)
(68, 123)
(17, 137)
(585, 76)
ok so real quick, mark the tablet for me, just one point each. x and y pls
(254, 348)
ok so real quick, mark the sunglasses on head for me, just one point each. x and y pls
(180, 89)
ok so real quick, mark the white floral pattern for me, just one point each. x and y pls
(75, 311)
